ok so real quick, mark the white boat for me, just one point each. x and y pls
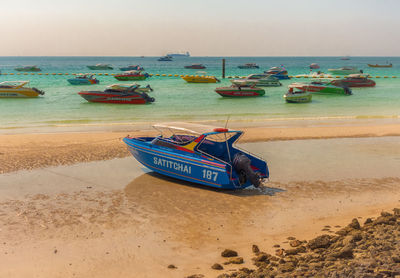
(187, 54)
(345, 70)
(262, 80)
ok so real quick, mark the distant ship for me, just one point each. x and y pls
(187, 54)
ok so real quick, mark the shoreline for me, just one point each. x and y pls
(29, 151)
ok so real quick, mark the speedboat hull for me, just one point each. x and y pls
(123, 77)
(187, 165)
(354, 82)
(380, 66)
(200, 79)
(240, 92)
(79, 81)
(19, 93)
(116, 98)
(322, 88)
(100, 67)
(298, 97)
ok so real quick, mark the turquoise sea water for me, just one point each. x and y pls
(178, 100)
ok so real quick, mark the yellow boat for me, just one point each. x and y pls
(16, 89)
(200, 78)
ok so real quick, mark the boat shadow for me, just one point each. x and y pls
(161, 180)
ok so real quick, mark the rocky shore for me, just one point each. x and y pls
(368, 250)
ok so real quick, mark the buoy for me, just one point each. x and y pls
(386, 77)
(99, 74)
(290, 76)
(305, 76)
(169, 75)
(53, 73)
(394, 76)
(150, 74)
(298, 76)
(12, 73)
(59, 74)
(337, 76)
(32, 73)
(377, 77)
(3, 73)
(46, 73)
(157, 74)
(163, 75)
(176, 75)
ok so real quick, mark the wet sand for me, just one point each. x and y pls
(112, 219)
(36, 150)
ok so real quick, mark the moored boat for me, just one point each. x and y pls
(249, 66)
(132, 67)
(165, 59)
(195, 66)
(345, 70)
(131, 76)
(28, 68)
(261, 80)
(200, 77)
(323, 87)
(186, 54)
(201, 154)
(243, 89)
(120, 94)
(100, 67)
(354, 80)
(314, 66)
(380, 66)
(297, 96)
(17, 89)
(278, 72)
(83, 79)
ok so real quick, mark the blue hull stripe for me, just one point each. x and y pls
(185, 160)
(175, 174)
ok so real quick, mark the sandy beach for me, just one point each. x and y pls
(76, 205)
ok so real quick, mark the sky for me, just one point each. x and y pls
(203, 27)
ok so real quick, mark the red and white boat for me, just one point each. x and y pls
(354, 80)
(120, 94)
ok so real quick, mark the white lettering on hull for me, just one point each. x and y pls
(172, 165)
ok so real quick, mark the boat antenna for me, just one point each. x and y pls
(227, 119)
(226, 140)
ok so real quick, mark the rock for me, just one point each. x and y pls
(196, 276)
(396, 211)
(246, 270)
(255, 249)
(287, 267)
(228, 253)
(261, 257)
(295, 243)
(279, 252)
(291, 238)
(345, 253)
(323, 241)
(354, 224)
(217, 266)
(386, 214)
(295, 251)
(368, 221)
(276, 246)
(237, 260)
(396, 259)
(171, 266)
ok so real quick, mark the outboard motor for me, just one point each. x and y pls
(347, 90)
(147, 97)
(241, 164)
(150, 88)
(38, 91)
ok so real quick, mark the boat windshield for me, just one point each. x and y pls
(219, 145)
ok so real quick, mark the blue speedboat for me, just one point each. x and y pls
(83, 79)
(277, 72)
(199, 154)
